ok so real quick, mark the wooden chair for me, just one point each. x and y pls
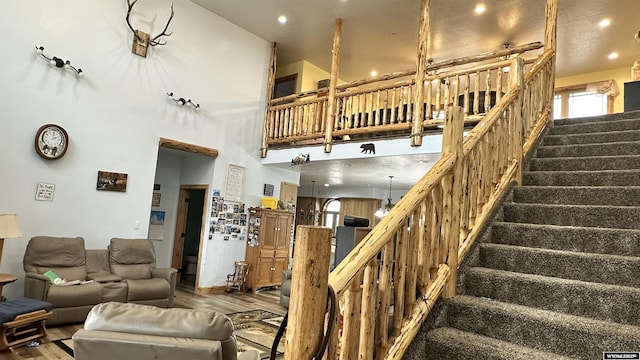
(236, 280)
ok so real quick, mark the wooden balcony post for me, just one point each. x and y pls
(551, 15)
(423, 39)
(452, 186)
(517, 124)
(309, 283)
(333, 80)
(267, 114)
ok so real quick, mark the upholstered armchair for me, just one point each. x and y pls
(65, 257)
(134, 331)
(134, 260)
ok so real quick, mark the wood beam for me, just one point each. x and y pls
(195, 149)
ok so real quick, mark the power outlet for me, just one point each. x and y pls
(136, 224)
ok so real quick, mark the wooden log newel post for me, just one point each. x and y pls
(309, 283)
(452, 183)
(550, 41)
(331, 97)
(551, 15)
(517, 125)
(267, 114)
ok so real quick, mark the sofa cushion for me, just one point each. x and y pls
(150, 320)
(64, 256)
(147, 289)
(132, 258)
(11, 308)
(75, 295)
(97, 261)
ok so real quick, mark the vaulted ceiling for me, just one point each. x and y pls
(381, 35)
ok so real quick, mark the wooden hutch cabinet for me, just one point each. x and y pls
(267, 247)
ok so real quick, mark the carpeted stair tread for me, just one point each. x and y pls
(582, 178)
(587, 163)
(447, 343)
(617, 148)
(614, 303)
(598, 118)
(597, 268)
(596, 126)
(550, 331)
(569, 238)
(578, 195)
(592, 138)
(607, 216)
(559, 269)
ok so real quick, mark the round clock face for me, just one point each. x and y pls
(51, 142)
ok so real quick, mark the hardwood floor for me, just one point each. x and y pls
(226, 303)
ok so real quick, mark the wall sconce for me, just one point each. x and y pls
(182, 101)
(57, 62)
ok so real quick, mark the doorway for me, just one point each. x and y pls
(188, 234)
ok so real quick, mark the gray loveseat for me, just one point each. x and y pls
(125, 272)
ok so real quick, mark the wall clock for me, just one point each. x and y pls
(51, 142)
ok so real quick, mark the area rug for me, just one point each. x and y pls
(65, 345)
(257, 329)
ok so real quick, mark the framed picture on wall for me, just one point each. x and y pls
(111, 181)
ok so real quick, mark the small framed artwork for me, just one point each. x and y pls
(111, 181)
(44, 191)
(157, 217)
(155, 200)
(156, 187)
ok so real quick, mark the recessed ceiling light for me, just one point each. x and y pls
(480, 8)
(613, 55)
(326, 185)
(282, 19)
(373, 73)
(604, 23)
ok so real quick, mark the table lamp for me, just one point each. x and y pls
(9, 228)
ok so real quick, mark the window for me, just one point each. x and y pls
(331, 214)
(578, 102)
(285, 85)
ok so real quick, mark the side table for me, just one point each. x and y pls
(4, 280)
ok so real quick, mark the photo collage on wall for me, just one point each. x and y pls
(227, 218)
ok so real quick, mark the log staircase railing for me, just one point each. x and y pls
(390, 281)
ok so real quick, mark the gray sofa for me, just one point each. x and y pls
(125, 272)
(285, 288)
(133, 331)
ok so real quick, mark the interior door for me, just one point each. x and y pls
(188, 232)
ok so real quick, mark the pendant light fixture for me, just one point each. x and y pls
(312, 208)
(383, 211)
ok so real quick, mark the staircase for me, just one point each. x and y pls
(558, 275)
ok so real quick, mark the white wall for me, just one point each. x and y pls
(117, 112)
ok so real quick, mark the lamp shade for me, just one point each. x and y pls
(9, 227)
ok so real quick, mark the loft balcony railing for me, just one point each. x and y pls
(385, 106)
(388, 284)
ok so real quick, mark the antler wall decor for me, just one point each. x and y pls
(57, 61)
(182, 101)
(142, 40)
